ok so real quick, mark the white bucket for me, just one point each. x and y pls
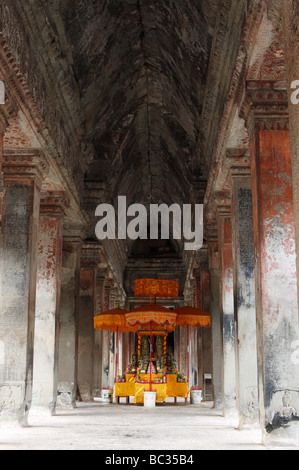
(107, 396)
(196, 397)
(150, 399)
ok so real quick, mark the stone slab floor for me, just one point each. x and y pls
(97, 426)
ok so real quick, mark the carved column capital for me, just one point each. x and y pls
(24, 166)
(238, 162)
(91, 255)
(265, 103)
(223, 205)
(54, 204)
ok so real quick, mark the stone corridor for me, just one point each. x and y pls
(188, 104)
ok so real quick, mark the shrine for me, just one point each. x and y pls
(149, 217)
(152, 372)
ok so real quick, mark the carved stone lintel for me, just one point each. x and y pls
(211, 231)
(54, 204)
(238, 163)
(91, 255)
(222, 202)
(265, 106)
(24, 166)
(223, 211)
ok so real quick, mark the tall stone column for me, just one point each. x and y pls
(112, 339)
(181, 349)
(217, 337)
(100, 307)
(227, 309)
(275, 260)
(68, 329)
(244, 289)
(105, 350)
(1, 147)
(2, 133)
(290, 16)
(194, 366)
(23, 176)
(46, 338)
(198, 331)
(90, 260)
(205, 301)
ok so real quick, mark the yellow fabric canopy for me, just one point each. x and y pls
(191, 316)
(154, 315)
(113, 320)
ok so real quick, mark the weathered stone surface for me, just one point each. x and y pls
(244, 301)
(49, 264)
(23, 177)
(157, 101)
(227, 310)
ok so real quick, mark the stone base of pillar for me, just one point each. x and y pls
(66, 395)
(42, 402)
(13, 411)
(287, 436)
(247, 421)
(230, 407)
(85, 392)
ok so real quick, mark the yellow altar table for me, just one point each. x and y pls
(176, 389)
(131, 387)
(125, 389)
(144, 386)
(140, 388)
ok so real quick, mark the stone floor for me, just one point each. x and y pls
(97, 426)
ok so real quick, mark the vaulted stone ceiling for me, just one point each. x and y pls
(141, 86)
(142, 67)
(145, 82)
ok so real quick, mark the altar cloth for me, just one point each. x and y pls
(136, 388)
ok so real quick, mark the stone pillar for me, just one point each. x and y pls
(275, 260)
(217, 339)
(205, 302)
(106, 340)
(2, 132)
(126, 356)
(23, 176)
(90, 260)
(290, 16)
(244, 290)
(100, 307)
(121, 367)
(112, 339)
(1, 149)
(227, 309)
(198, 331)
(46, 338)
(194, 342)
(180, 349)
(68, 330)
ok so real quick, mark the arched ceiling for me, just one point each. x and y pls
(142, 68)
(140, 86)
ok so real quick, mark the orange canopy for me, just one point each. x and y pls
(154, 315)
(113, 320)
(191, 316)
